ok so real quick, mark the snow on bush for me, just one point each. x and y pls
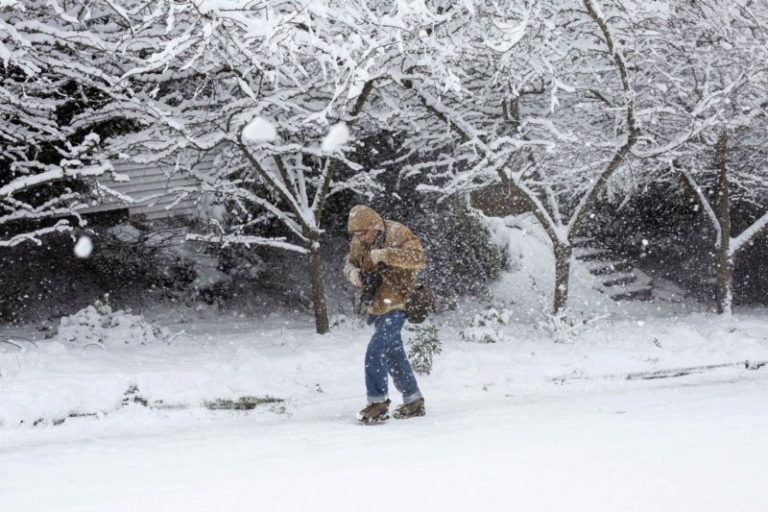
(337, 136)
(100, 324)
(486, 327)
(258, 130)
(566, 326)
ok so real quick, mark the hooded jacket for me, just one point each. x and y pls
(402, 258)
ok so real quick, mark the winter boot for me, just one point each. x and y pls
(410, 410)
(374, 413)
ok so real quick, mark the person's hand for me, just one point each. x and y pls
(378, 256)
(354, 278)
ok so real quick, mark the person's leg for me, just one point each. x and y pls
(398, 365)
(376, 378)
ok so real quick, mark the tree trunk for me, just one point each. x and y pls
(724, 264)
(562, 273)
(318, 288)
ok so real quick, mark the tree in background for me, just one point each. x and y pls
(708, 118)
(536, 97)
(55, 61)
(549, 100)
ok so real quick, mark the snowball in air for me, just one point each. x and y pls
(337, 136)
(83, 247)
(259, 130)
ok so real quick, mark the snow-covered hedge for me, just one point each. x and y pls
(101, 325)
(486, 326)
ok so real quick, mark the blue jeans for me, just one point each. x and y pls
(386, 355)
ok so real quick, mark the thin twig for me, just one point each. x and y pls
(21, 338)
(8, 341)
(181, 333)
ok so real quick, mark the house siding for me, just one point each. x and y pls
(156, 181)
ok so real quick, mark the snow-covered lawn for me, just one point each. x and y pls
(526, 424)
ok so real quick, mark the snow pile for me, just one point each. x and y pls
(84, 247)
(99, 324)
(259, 130)
(337, 136)
(486, 326)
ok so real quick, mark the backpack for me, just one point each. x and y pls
(422, 301)
(420, 304)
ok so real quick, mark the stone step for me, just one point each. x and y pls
(617, 277)
(592, 254)
(620, 279)
(582, 242)
(602, 268)
(645, 293)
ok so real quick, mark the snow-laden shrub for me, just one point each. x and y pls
(566, 326)
(99, 324)
(422, 347)
(486, 327)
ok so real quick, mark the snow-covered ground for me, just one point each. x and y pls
(525, 423)
(543, 419)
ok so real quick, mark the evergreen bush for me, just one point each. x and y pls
(422, 347)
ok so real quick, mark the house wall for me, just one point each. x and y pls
(153, 188)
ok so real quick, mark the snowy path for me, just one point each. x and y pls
(690, 444)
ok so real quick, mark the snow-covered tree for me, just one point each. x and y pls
(548, 99)
(536, 96)
(708, 121)
(275, 90)
(55, 60)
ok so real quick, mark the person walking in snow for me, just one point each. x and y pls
(383, 261)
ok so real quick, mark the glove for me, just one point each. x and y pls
(354, 278)
(378, 256)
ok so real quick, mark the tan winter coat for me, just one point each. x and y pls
(403, 258)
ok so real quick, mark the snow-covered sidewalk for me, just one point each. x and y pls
(526, 424)
(689, 447)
